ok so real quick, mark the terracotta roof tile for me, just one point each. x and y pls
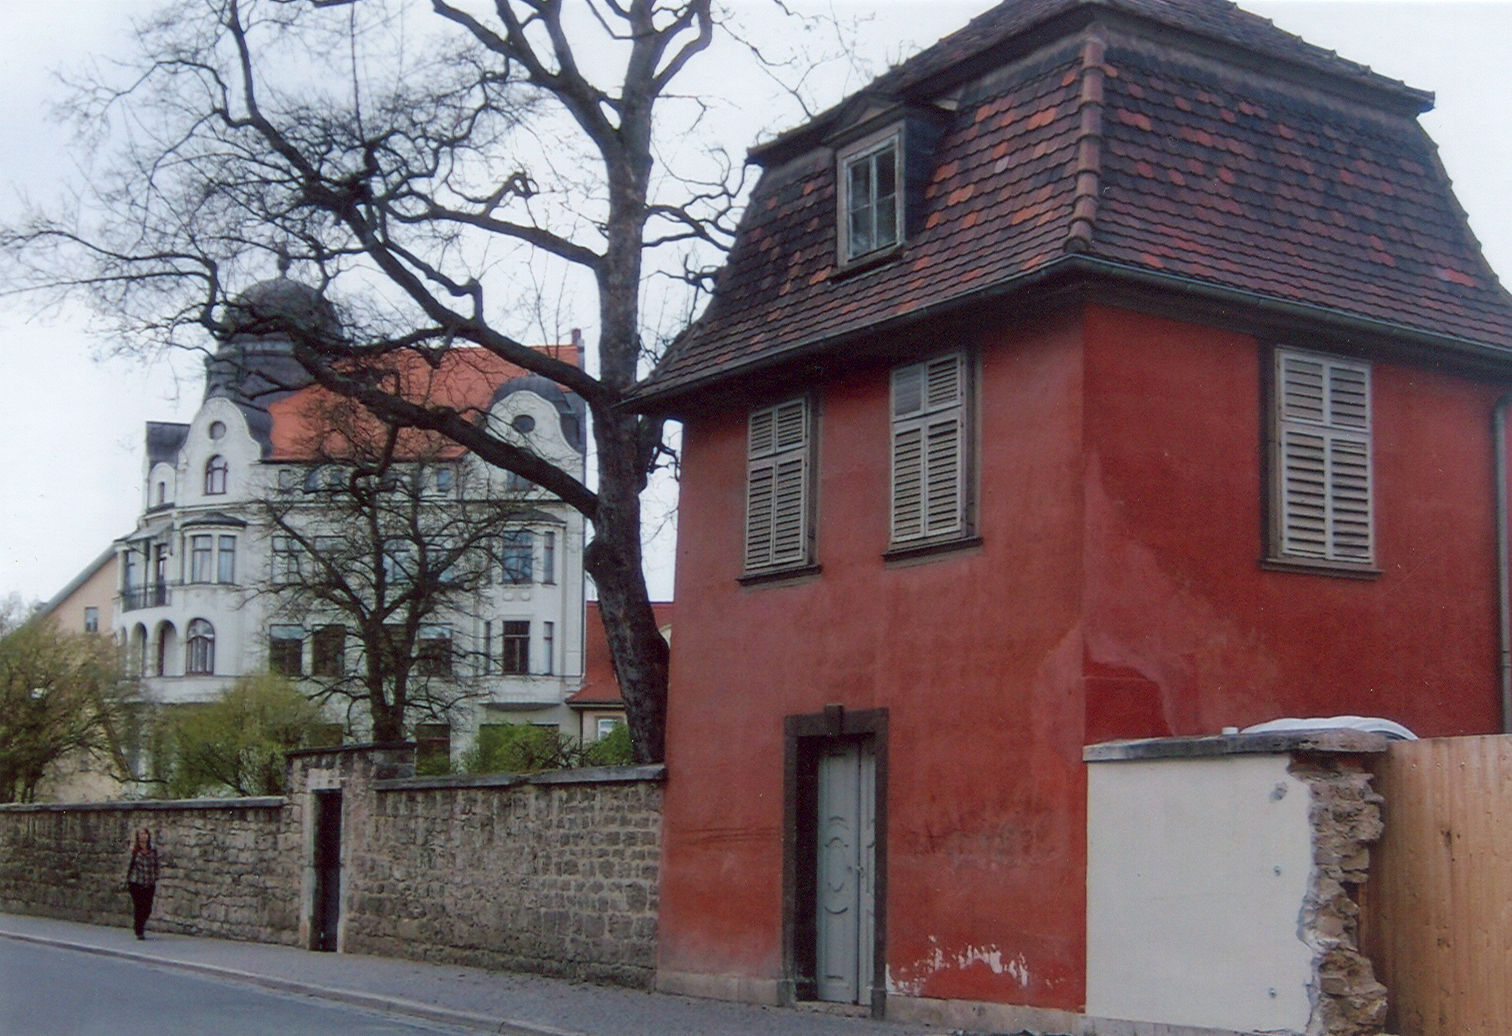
(314, 424)
(1131, 151)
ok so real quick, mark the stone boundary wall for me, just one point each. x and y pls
(553, 876)
(230, 867)
(555, 873)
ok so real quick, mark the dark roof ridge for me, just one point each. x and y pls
(1088, 147)
(1025, 25)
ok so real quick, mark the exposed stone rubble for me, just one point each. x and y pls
(1346, 817)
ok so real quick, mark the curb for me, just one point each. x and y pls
(371, 1001)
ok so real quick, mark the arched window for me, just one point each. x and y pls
(215, 476)
(201, 660)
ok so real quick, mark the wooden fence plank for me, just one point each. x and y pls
(1439, 910)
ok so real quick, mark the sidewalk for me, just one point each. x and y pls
(489, 1001)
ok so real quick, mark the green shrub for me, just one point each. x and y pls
(518, 748)
(613, 749)
(237, 742)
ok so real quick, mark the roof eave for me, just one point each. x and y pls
(1271, 310)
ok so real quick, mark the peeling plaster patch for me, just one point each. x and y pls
(910, 980)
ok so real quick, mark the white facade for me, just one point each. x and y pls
(196, 602)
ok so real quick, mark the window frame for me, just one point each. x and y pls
(778, 530)
(514, 647)
(322, 651)
(1336, 438)
(517, 546)
(217, 473)
(201, 557)
(867, 149)
(283, 660)
(284, 554)
(548, 558)
(199, 648)
(434, 651)
(225, 559)
(931, 529)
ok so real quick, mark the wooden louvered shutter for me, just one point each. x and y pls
(928, 449)
(777, 486)
(1323, 458)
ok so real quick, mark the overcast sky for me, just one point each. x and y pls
(71, 425)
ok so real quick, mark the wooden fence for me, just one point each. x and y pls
(1437, 910)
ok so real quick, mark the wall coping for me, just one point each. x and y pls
(295, 753)
(1340, 741)
(586, 775)
(139, 805)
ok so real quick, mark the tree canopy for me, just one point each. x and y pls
(60, 693)
(443, 173)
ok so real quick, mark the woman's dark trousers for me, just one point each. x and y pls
(141, 906)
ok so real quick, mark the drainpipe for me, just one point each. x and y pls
(1504, 610)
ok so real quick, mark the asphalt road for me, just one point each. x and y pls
(46, 991)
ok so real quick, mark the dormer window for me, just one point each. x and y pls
(871, 210)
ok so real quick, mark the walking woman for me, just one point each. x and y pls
(141, 880)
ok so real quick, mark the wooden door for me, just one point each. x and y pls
(846, 860)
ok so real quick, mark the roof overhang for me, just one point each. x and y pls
(1078, 279)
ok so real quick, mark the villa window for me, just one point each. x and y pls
(433, 651)
(518, 556)
(328, 652)
(285, 559)
(200, 556)
(226, 560)
(514, 656)
(215, 476)
(286, 650)
(201, 655)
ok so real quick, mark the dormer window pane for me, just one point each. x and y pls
(872, 200)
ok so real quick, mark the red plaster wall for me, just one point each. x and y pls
(977, 656)
(1176, 598)
(1117, 593)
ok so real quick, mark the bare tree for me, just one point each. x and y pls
(424, 172)
(385, 536)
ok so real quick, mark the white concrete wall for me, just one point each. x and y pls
(1197, 871)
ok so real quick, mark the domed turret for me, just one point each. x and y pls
(255, 363)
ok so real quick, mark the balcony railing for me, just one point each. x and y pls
(155, 596)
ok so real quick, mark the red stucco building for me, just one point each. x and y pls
(1111, 369)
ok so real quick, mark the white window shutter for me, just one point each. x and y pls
(908, 483)
(777, 486)
(760, 491)
(928, 449)
(788, 509)
(943, 485)
(1323, 439)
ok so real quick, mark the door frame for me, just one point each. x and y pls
(804, 739)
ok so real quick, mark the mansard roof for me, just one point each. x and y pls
(1182, 147)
